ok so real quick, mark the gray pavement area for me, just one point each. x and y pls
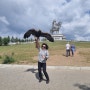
(25, 77)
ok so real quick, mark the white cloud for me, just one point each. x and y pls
(17, 16)
(4, 20)
(81, 38)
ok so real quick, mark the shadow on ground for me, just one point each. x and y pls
(82, 87)
(35, 71)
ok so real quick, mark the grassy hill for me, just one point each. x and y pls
(24, 53)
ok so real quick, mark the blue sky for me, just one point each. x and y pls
(17, 16)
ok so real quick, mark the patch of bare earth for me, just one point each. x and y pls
(59, 59)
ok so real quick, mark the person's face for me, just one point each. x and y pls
(43, 46)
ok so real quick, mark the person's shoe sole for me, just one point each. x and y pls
(47, 81)
(40, 80)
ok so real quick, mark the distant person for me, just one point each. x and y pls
(67, 49)
(42, 58)
(73, 49)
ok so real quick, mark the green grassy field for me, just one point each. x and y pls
(26, 52)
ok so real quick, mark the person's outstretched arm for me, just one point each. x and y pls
(37, 43)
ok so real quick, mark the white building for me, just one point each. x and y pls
(58, 37)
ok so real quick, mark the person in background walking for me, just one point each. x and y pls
(42, 58)
(67, 49)
(73, 49)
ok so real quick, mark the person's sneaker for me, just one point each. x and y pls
(47, 81)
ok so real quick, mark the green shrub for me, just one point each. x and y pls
(8, 60)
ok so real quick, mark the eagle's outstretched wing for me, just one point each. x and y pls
(29, 32)
(38, 34)
(48, 36)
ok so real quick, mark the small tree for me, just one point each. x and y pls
(8, 39)
(0, 41)
(5, 41)
(12, 39)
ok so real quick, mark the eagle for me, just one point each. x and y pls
(38, 34)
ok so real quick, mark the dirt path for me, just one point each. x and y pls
(59, 59)
(76, 60)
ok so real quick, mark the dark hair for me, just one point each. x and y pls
(45, 45)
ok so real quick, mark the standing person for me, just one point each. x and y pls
(42, 58)
(67, 49)
(73, 49)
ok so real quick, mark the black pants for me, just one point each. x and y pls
(40, 67)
